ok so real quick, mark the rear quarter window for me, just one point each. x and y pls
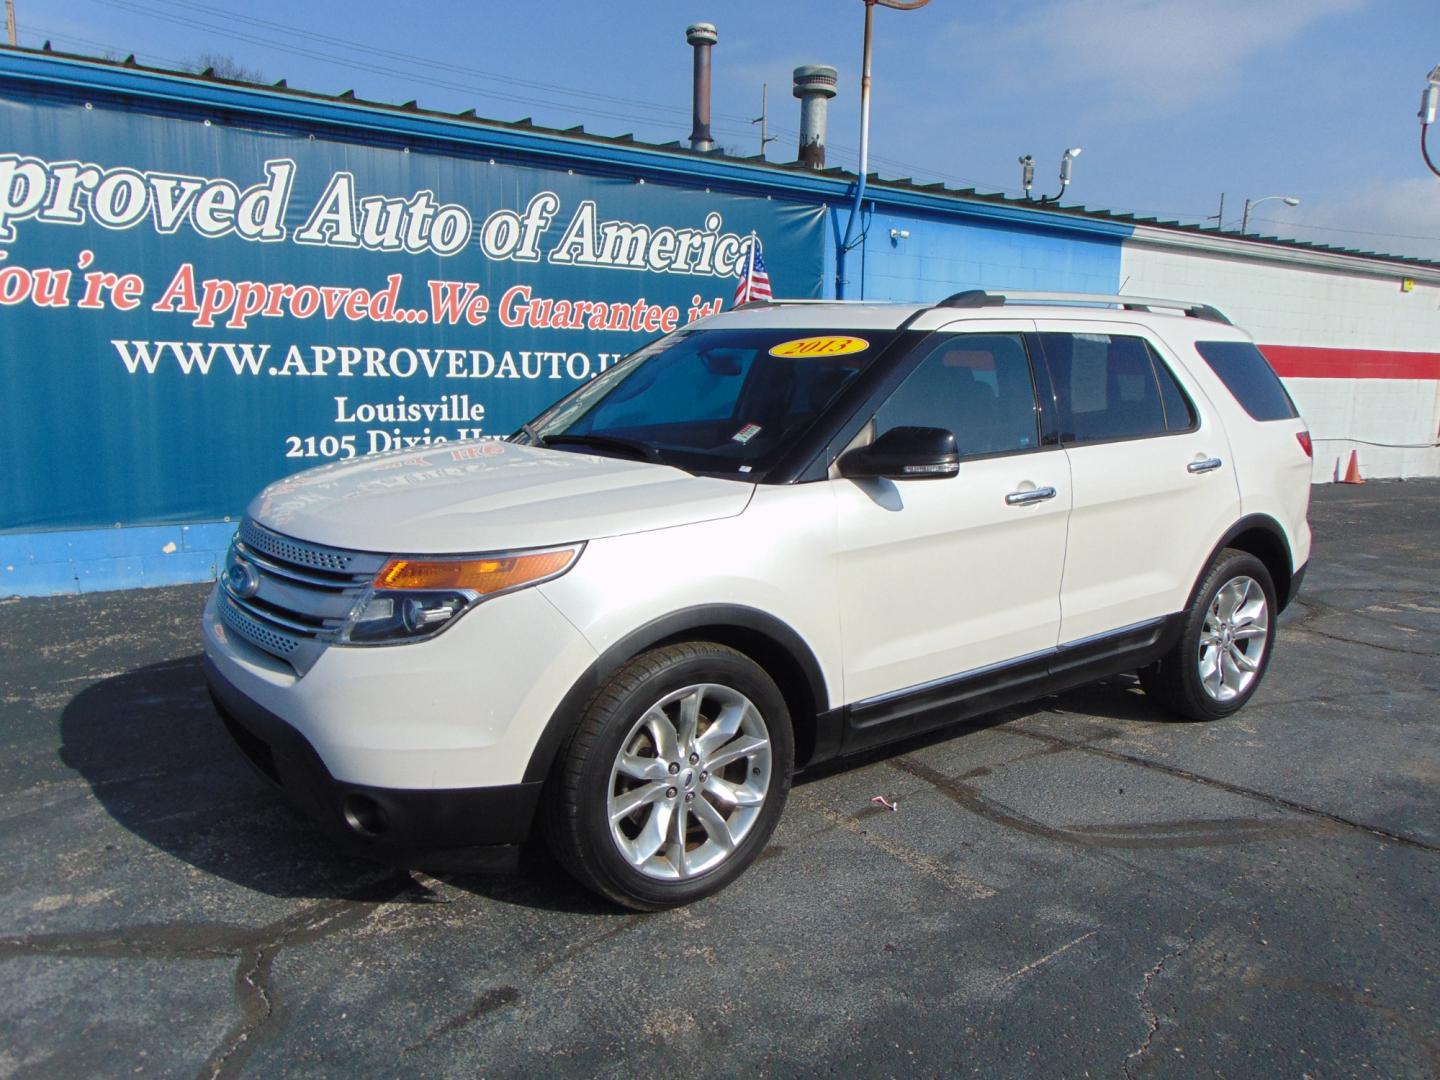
(1248, 375)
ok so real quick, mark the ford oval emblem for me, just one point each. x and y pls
(242, 579)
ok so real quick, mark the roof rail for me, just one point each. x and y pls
(786, 301)
(974, 298)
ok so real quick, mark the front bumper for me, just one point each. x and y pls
(435, 829)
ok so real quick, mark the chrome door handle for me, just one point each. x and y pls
(1025, 498)
(1208, 465)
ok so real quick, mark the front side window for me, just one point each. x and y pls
(729, 402)
(978, 386)
(1113, 386)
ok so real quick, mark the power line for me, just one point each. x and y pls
(1356, 232)
(135, 7)
(388, 54)
(48, 34)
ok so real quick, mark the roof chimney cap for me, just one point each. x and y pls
(701, 33)
(815, 79)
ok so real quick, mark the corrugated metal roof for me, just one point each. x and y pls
(874, 181)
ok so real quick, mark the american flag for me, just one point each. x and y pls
(754, 279)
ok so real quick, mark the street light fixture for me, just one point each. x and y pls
(1066, 159)
(1429, 106)
(1288, 200)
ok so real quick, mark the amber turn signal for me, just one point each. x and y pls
(486, 575)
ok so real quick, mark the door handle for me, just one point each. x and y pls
(1025, 498)
(1208, 465)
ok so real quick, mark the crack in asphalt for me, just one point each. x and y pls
(1234, 789)
(1350, 640)
(252, 977)
(1142, 997)
(255, 949)
(1151, 834)
(1317, 609)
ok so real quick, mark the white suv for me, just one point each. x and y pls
(779, 535)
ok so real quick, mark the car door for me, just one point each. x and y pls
(942, 577)
(1153, 483)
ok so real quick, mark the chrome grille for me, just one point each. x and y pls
(294, 551)
(289, 597)
(271, 642)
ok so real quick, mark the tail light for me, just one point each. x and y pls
(1303, 437)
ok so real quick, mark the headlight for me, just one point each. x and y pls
(412, 599)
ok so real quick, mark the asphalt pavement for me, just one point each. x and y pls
(1078, 887)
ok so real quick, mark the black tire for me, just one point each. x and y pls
(1175, 680)
(578, 798)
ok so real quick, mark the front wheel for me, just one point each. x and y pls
(675, 778)
(1226, 639)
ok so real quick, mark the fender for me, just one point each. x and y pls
(1288, 576)
(722, 622)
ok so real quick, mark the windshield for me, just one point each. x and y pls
(727, 402)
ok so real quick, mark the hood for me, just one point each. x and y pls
(487, 496)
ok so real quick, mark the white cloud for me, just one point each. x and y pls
(1138, 57)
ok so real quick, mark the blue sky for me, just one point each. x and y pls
(1173, 101)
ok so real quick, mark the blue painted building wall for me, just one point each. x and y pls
(945, 254)
(953, 244)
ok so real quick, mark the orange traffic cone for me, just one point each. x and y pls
(1352, 471)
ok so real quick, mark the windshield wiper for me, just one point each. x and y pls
(536, 439)
(644, 451)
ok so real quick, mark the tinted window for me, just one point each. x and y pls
(975, 385)
(724, 401)
(1248, 375)
(1106, 385)
(1179, 413)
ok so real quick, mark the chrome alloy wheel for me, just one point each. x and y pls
(1232, 644)
(689, 781)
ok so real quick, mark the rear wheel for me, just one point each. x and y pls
(1225, 642)
(675, 778)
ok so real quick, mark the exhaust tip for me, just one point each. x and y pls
(365, 816)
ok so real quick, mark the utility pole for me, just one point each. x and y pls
(10, 21)
(1219, 219)
(762, 119)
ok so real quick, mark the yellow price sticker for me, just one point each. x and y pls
(830, 345)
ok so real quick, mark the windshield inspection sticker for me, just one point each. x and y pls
(830, 345)
(746, 433)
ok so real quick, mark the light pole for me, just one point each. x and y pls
(850, 239)
(1288, 200)
(1429, 106)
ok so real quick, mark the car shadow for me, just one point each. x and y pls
(159, 761)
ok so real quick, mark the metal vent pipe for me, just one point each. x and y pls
(702, 38)
(814, 86)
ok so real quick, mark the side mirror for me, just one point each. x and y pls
(904, 453)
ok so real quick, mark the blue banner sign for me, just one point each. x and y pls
(190, 308)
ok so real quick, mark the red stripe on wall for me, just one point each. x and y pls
(1305, 362)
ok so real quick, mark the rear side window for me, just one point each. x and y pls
(1248, 375)
(1112, 386)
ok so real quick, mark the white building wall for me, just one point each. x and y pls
(1335, 314)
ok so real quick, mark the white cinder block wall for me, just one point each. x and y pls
(1360, 356)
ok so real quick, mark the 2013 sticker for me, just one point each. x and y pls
(826, 345)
